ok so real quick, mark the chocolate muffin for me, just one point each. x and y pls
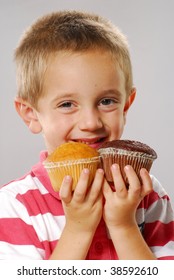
(126, 152)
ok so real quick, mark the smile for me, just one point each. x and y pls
(93, 142)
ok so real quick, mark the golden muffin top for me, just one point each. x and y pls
(71, 151)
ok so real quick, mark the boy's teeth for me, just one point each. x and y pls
(84, 142)
(89, 142)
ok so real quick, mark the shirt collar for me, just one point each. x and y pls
(40, 172)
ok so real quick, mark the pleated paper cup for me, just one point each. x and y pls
(122, 157)
(58, 170)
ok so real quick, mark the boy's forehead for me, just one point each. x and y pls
(98, 60)
(66, 78)
(96, 54)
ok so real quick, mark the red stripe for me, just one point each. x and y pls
(49, 248)
(158, 234)
(16, 231)
(150, 199)
(166, 258)
(37, 203)
(155, 197)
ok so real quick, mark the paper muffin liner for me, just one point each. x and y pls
(58, 170)
(137, 160)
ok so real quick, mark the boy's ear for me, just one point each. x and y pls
(28, 115)
(129, 101)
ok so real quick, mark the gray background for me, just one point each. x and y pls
(148, 25)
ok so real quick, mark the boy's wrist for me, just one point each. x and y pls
(129, 243)
(122, 230)
(72, 245)
(84, 226)
(75, 229)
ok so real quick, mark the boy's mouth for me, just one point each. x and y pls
(93, 142)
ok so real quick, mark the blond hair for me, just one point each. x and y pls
(65, 31)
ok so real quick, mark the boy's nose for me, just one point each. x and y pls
(90, 120)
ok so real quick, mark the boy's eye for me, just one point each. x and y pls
(67, 107)
(108, 104)
(67, 104)
(107, 101)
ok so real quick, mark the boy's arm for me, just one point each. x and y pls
(119, 213)
(83, 212)
(130, 244)
(72, 245)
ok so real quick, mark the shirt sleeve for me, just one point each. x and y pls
(18, 239)
(159, 223)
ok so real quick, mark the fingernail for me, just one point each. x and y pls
(127, 167)
(100, 170)
(86, 170)
(67, 178)
(144, 171)
(115, 166)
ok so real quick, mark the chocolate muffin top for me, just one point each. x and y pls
(130, 145)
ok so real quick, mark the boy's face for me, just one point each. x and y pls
(84, 100)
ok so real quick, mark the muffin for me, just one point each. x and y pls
(126, 152)
(70, 159)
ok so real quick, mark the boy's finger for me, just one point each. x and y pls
(82, 186)
(134, 182)
(147, 186)
(118, 181)
(96, 186)
(66, 189)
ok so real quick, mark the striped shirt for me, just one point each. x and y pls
(32, 220)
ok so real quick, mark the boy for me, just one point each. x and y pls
(75, 84)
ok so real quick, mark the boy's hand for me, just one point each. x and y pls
(83, 211)
(120, 205)
(83, 207)
(119, 213)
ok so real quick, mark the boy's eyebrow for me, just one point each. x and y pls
(62, 96)
(113, 91)
(102, 93)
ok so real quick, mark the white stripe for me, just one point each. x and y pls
(160, 210)
(164, 251)
(41, 188)
(47, 226)
(24, 185)
(12, 208)
(157, 187)
(20, 252)
(140, 215)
